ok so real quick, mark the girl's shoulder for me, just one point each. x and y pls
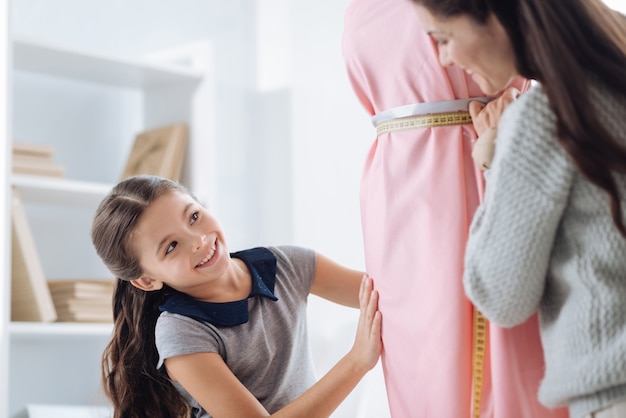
(292, 252)
(177, 334)
(295, 267)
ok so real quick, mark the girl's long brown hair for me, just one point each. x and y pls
(130, 378)
(565, 45)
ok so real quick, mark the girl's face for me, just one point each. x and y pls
(180, 244)
(484, 51)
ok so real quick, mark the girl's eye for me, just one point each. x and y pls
(171, 247)
(194, 217)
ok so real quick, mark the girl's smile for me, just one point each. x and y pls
(186, 251)
(209, 259)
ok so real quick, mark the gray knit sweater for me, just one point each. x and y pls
(544, 240)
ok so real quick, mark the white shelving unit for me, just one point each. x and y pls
(29, 55)
(89, 106)
(64, 192)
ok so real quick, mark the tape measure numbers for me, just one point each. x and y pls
(479, 349)
(424, 121)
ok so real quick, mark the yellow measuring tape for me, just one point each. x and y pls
(424, 121)
(479, 349)
(479, 345)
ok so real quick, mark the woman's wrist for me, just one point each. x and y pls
(484, 148)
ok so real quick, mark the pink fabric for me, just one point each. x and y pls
(419, 191)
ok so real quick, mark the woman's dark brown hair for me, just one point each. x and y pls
(565, 45)
(130, 378)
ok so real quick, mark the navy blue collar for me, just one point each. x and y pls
(261, 263)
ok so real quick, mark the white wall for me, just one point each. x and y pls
(617, 5)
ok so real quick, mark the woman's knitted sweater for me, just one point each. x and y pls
(544, 240)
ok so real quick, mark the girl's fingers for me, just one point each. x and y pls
(362, 289)
(372, 306)
(376, 330)
(370, 318)
(369, 304)
(365, 291)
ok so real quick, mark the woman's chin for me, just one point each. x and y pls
(488, 87)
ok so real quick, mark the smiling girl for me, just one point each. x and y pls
(202, 332)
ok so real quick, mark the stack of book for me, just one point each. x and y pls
(35, 159)
(88, 300)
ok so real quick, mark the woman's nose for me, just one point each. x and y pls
(444, 57)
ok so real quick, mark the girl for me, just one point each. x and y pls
(203, 332)
(550, 236)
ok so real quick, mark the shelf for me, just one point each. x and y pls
(64, 93)
(58, 191)
(65, 411)
(25, 330)
(61, 61)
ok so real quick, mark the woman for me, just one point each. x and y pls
(550, 236)
(200, 331)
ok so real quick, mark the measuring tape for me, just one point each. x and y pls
(479, 345)
(478, 360)
(424, 121)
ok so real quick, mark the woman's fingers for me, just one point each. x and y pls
(475, 107)
(486, 116)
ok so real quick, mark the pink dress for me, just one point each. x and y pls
(419, 191)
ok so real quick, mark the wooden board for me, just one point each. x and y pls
(30, 296)
(158, 151)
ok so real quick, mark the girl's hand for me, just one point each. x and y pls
(367, 344)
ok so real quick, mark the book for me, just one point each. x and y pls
(31, 159)
(35, 159)
(83, 305)
(81, 314)
(38, 169)
(30, 296)
(85, 317)
(158, 151)
(88, 300)
(82, 289)
(38, 150)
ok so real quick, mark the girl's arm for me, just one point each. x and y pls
(211, 383)
(209, 380)
(336, 282)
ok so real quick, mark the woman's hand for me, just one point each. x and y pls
(367, 343)
(486, 116)
(485, 119)
(484, 149)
